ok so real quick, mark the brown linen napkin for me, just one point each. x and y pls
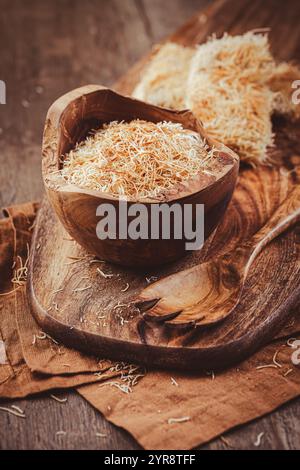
(18, 379)
(208, 405)
(45, 359)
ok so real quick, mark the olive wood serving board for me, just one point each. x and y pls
(77, 305)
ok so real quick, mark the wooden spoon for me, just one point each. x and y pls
(206, 294)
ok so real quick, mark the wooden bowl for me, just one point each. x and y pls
(69, 120)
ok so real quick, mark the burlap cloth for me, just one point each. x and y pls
(210, 403)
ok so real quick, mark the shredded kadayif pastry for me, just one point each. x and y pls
(233, 86)
(164, 81)
(137, 159)
(227, 89)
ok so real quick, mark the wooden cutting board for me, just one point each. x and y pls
(74, 303)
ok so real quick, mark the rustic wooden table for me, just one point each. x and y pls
(46, 49)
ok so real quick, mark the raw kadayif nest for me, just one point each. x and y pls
(232, 84)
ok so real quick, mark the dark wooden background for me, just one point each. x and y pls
(47, 48)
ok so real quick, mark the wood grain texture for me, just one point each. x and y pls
(210, 291)
(92, 321)
(270, 290)
(40, 53)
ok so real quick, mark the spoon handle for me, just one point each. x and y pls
(287, 214)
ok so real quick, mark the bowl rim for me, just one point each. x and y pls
(52, 134)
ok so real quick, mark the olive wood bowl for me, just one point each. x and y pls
(69, 121)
